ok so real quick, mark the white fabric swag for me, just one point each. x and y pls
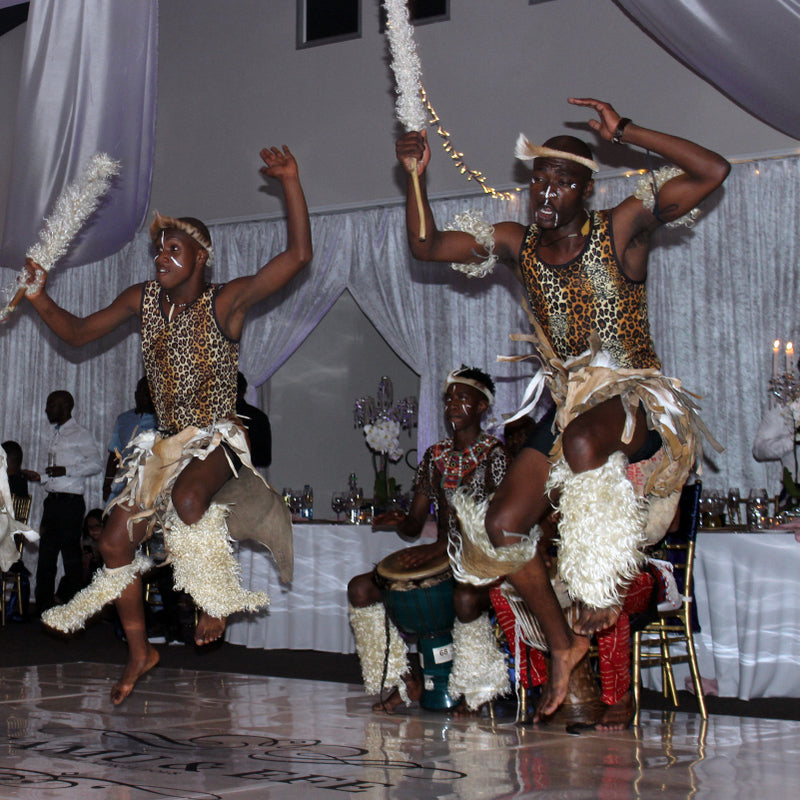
(88, 85)
(719, 295)
(746, 49)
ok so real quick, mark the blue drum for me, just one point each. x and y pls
(419, 600)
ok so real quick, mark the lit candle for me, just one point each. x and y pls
(789, 358)
(776, 348)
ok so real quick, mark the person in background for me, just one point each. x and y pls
(141, 417)
(90, 544)
(73, 456)
(17, 476)
(777, 439)
(256, 421)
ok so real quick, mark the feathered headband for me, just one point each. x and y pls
(161, 223)
(455, 377)
(525, 150)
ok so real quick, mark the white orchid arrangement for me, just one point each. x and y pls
(381, 423)
(383, 436)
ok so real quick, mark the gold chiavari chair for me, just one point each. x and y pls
(669, 639)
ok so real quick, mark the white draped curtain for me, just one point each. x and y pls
(88, 85)
(719, 295)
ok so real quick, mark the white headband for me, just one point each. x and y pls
(525, 150)
(454, 377)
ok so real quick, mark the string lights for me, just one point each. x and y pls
(458, 157)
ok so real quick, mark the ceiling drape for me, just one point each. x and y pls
(88, 85)
(747, 49)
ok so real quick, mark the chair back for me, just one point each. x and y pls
(22, 507)
(680, 545)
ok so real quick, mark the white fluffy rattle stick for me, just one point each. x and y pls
(72, 208)
(407, 70)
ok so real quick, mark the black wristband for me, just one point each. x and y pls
(621, 125)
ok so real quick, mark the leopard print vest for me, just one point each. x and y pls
(191, 365)
(590, 293)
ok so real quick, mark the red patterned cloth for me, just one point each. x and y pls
(613, 644)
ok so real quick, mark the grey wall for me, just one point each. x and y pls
(232, 81)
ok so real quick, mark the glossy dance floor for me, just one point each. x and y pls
(204, 736)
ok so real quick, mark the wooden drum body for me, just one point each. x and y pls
(419, 600)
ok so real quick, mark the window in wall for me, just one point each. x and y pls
(420, 12)
(11, 16)
(326, 21)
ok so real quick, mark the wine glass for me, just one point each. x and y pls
(757, 509)
(296, 502)
(734, 506)
(339, 503)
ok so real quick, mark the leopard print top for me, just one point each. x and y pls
(191, 365)
(590, 293)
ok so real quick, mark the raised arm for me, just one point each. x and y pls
(80, 330)
(240, 294)
(704, 171)
(445, 246)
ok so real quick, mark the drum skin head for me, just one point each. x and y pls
(391, 568)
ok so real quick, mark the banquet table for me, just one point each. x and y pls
(311, 613)
(747, 591)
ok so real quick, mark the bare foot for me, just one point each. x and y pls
(617, 717)
(134, 670)
(393, 699)
(592, 620)
(554, 690)
(208, 629)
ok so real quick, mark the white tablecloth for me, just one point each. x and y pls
(311, 614)
(747, 589)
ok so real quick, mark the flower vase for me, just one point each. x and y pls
(385, 489)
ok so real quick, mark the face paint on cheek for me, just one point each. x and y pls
(176, 262)
(155, 257)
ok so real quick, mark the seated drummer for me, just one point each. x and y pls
(477, 461)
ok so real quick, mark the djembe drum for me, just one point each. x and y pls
(419, 600)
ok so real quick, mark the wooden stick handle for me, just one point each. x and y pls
(418, 196)
(5, 311)
(17, 298)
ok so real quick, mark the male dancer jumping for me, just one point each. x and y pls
(190, 344)
(584, 273)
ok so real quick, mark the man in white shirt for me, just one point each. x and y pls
(73, 456)
(776, 439)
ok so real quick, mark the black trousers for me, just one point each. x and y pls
(60, 532)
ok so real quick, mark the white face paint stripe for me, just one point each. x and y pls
(171, 258)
